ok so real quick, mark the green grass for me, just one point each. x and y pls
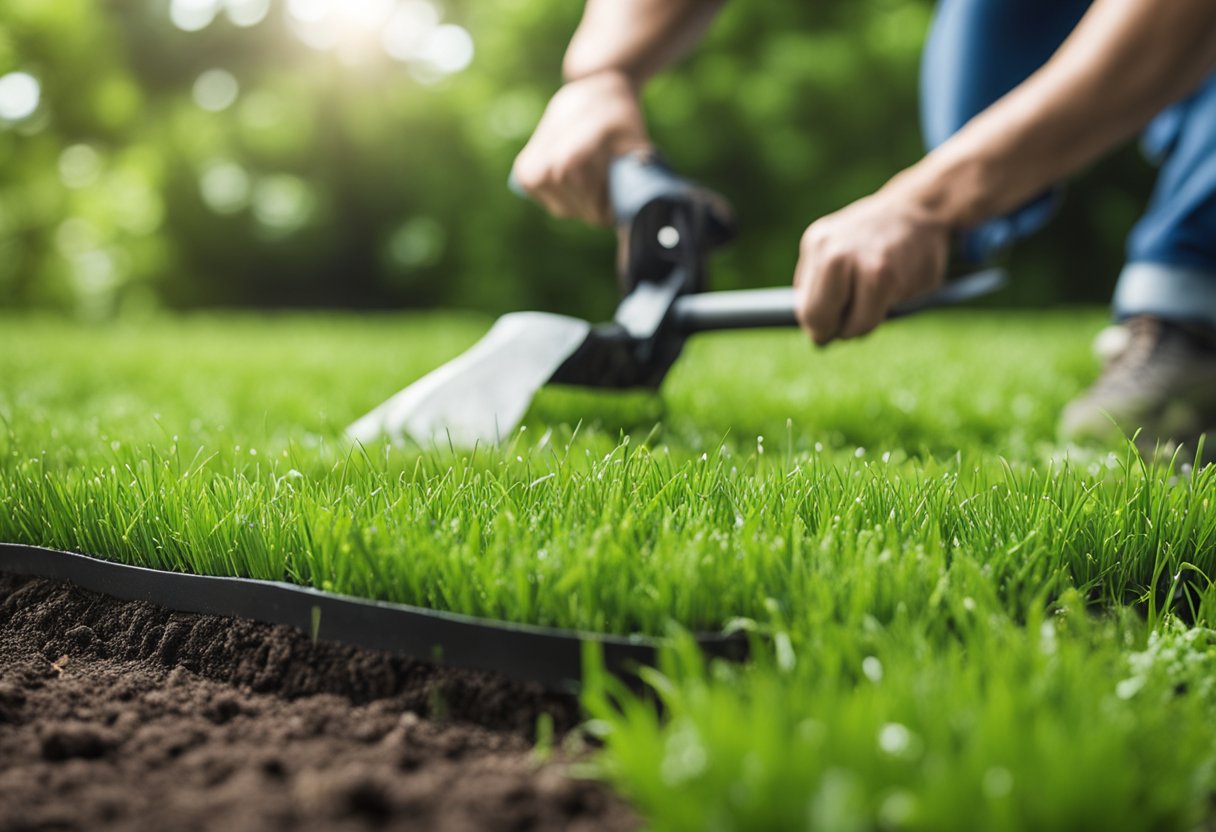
(960, 623)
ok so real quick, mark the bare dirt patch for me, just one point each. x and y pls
(123, 715)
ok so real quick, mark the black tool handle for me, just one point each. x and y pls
(761, 308)
(635, 180)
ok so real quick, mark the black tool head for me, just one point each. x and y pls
(612, 359)
(667, 228)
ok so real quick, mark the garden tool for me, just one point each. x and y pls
(667, 227)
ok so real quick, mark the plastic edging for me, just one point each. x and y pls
(549, 656)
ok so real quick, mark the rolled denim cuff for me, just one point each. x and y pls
(1176, 293)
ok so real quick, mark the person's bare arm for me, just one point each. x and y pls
(1126, 61)
(596, 116)
(636, 37)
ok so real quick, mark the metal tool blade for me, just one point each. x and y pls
(481, 395)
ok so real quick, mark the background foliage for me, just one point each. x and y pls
(222, 152)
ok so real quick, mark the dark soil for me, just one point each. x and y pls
(121, 715)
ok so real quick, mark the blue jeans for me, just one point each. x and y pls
(978, 50)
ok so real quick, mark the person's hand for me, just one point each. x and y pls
(588, 123)
(855, 264)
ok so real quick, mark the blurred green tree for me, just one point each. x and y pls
(353, 153)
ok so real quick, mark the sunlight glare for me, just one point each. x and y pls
(193, 15)
(79, 166)
(216, 90)
(347, 25)
(282, 203)
(20, 93)
(225, 187)
(407, 31)
(348, 20)
(308, 11)
(245, 13)
(448, 50)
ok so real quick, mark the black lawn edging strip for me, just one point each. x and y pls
(549, 656)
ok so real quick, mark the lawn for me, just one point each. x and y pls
(959, 623)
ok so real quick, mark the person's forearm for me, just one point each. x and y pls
(636, 37)
(1126, 61)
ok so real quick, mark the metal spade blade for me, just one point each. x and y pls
(481, 395)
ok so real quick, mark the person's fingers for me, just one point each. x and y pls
(567, 189)
(553, 200)
(590, 180)
(802, 289)
(868, 306)
(564, 166)
(532, 175)
(824, 289)
(550, 195)
(526, 176)
(601, 202)
(584, 188)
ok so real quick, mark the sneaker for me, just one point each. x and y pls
(1159, 387)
